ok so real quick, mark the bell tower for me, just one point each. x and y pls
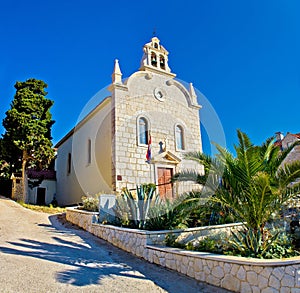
(155, 58)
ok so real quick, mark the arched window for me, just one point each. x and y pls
(143, 130)
(155, 45)
(153, 59)
(162, 62)
(179, 135)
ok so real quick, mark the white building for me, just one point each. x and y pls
(107, 150)
(40, 187)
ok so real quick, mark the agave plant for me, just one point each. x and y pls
(138, 208)
(270, 245)
(251, 243)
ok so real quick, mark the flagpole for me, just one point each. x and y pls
(150, 173)
(149, 154)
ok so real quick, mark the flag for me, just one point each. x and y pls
(149, 155)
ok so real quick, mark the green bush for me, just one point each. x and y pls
(215, 244)
(282, 248)
(171, 241)
(207, 244)
(200, 211)
(90, 203)
(167, 215)
(243, 243)
(270, 245)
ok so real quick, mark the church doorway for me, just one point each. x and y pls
(165, 187)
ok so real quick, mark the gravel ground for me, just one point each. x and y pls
(43, 253)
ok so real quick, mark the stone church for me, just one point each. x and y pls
(138, 134)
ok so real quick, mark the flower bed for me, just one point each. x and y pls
(237, 274)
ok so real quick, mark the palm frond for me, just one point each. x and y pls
(288, 174)
(189, 175)
(244, 144)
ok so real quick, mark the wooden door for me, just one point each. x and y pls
(165, 187)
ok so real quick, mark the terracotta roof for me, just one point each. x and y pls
(278, 143)
(296, 135)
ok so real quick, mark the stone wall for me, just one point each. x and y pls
(81, 218)
(17, 189)
(135, 99)
(237, 274)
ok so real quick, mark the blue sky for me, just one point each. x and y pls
(242, 55)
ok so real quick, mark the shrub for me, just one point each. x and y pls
(215, 244)
(91, 203)
(171, 241)
(270, 245)
(282, 248)
(167, 215)
(207, 244)
(242, 243)
(203, 211)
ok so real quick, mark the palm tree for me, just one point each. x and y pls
(254, 184)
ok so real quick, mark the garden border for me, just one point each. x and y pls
(237, 274)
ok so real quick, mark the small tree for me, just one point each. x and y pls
(28, 123)
(254, 184)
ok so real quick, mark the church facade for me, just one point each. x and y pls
(139, 134)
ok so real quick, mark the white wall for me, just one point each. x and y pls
(86, 178)
(49, 185)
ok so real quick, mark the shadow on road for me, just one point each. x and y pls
(90, 260)
(87, 270)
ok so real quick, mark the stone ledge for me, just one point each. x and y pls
(127, 230)
(77, 210)
(228, 258)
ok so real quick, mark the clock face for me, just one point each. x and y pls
(159, 94)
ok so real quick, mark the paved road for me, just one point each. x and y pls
(39, 253)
